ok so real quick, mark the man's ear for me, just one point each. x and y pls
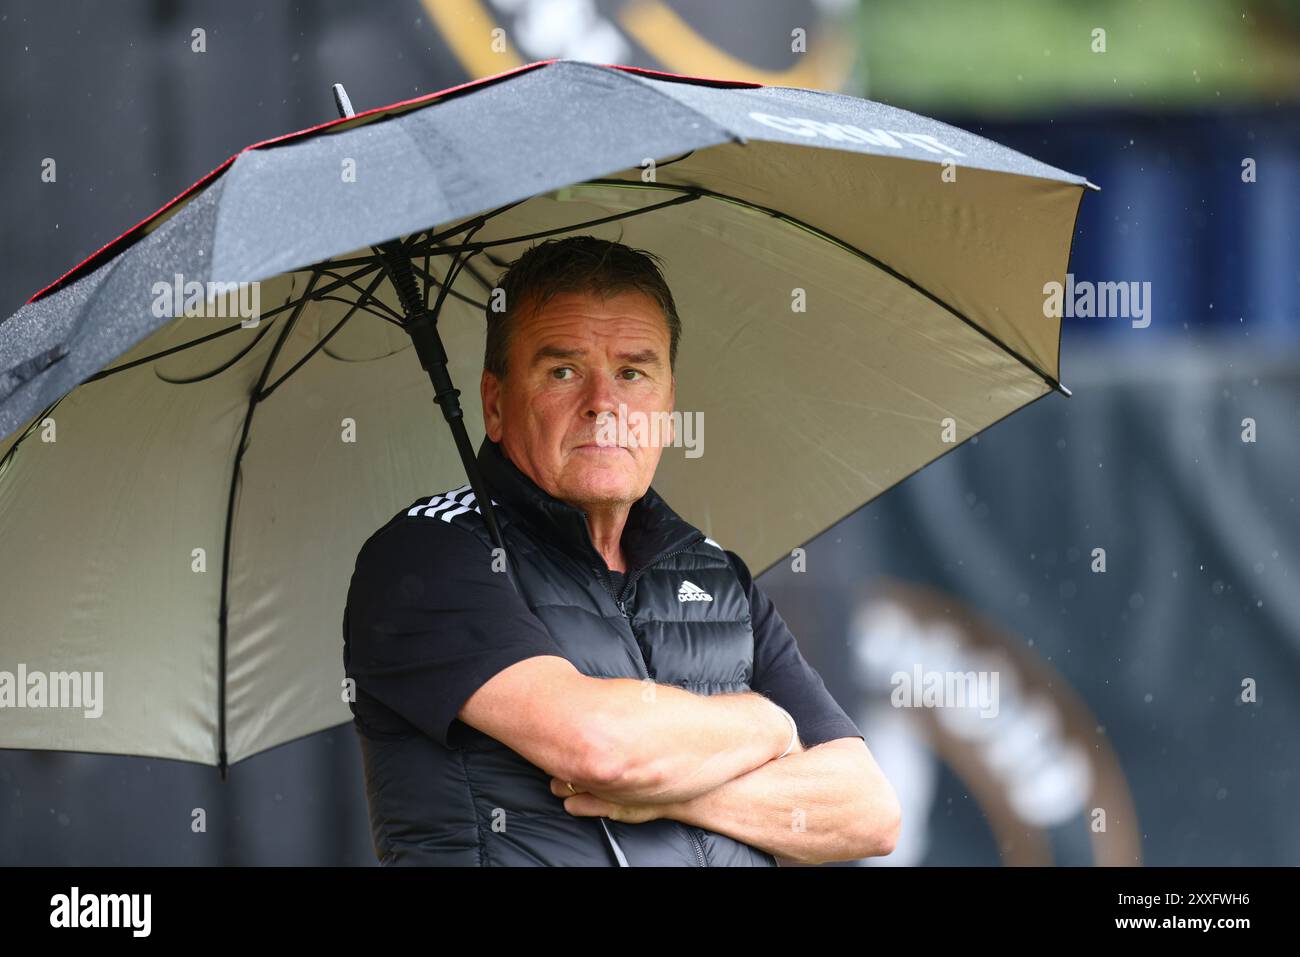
(489, 388)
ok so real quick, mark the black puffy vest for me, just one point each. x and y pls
(494, 808)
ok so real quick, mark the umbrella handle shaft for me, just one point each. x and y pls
(422, 327)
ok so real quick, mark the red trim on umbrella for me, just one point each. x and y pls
(682, 76)
(128, 237)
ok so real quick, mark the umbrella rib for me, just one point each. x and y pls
(266, 392)
(457, 264)
(223, 618)
(509, 240)
(429, 280)
(203, 376)
(357, 306)
(427, 273)
(104, 373)
(409, 243)
(475, 222)
(370, 265)
(379, 302)
(288, 304)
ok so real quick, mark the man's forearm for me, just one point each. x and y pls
(667, 744)
(829, 803)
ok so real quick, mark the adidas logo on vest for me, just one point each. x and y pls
(692, 592)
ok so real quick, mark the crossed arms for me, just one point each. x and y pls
(637, 751)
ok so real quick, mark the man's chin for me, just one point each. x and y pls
(612, 487)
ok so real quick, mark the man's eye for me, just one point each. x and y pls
(634, 372)
(558, 369)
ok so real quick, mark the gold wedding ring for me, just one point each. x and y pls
(571, 787)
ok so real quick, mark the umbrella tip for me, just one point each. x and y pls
(342, 102)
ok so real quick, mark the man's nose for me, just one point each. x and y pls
(601, 397)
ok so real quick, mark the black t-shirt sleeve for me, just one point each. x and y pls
(428, 622)
(782, 674)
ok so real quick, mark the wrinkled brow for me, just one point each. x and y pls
(640, 357)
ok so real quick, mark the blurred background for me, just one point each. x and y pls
(1121, 690)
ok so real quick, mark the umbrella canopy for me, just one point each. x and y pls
(182, 497)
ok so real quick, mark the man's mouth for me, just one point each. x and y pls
(598, 449)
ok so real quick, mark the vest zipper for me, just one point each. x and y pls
(622, 607)
(699, 848)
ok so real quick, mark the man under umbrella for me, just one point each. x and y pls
(611, 688)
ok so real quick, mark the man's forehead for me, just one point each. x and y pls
(570, 306)
(557, 350)
(569, 324)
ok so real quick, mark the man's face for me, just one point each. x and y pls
(570, 365)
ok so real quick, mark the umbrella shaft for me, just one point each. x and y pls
(422, 327)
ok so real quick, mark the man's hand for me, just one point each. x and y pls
(586, 804)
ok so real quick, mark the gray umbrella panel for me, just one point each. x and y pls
(807, 414)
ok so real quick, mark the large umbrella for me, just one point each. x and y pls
(182, 496)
